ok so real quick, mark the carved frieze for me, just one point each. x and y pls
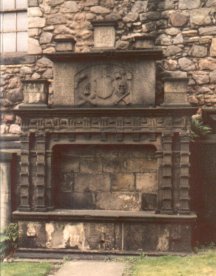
(98, 124)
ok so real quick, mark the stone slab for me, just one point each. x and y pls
(91, 268)
(105, 83)
(104, 37)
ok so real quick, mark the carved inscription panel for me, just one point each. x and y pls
(104, 37)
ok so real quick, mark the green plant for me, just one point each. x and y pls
(8, 241)
(198, 128)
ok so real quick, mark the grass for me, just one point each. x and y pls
(202, 264)
(24, 269)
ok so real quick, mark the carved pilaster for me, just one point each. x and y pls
(165, 189)
(159, 156)
(184, 186)
(24, 189)
(40, 179)
(50, 203)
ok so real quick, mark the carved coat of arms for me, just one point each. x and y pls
(103, 85)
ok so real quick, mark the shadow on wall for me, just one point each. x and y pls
(203, 192)
(153, 25)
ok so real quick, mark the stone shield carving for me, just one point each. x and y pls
(103, 85)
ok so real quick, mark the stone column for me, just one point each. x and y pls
(5, 189)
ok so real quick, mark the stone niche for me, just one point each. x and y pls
(109, 79)
(110, 177)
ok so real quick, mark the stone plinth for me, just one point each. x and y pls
(175, 91)
(65, 44)
(35, 93)
(117, 232)
(104, 34)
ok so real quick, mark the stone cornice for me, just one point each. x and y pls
(147, 54)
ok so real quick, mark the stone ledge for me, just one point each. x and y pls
(68, 111)
(103, 215)
(16, 58)
(103, 55)
(32, 253)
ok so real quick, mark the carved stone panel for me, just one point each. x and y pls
(104, 37)
(110, 83)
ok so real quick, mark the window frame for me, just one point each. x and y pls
(14, 11)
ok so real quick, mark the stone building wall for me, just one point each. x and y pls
(185, 30)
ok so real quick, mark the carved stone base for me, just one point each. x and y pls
(102, 231)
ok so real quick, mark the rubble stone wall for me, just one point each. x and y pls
(185, 30)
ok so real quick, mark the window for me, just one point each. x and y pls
(13, 22)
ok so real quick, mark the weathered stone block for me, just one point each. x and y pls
(46, 37)
(36, 22)
(131, 17)
(92, 182)
(178, 19)
(90, 165)
(104, 37)
(139, 165)
(186, 64)
(56, 19)
(143, 43)
(175, 85)
(64, 46)
(201, 77)
(200, 16)
(149, 201)
(122, 182)
(146, 182)
(207, 64)
(69, 200)
(69, 7)
(172, 50)
(71, 164)
(34, 12)
(192, 4)
(175, 98)
(210, 3)
(99, 10)
(102, 236)
(32, 3)
(213, 48)
(56, 2)
(35, 92)
(112, 165)
(140, 238)
(118, 201)
(198, 51)
(212, 77)
(34, 46)
(207, 30)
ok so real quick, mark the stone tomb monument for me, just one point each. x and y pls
(103, 169)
